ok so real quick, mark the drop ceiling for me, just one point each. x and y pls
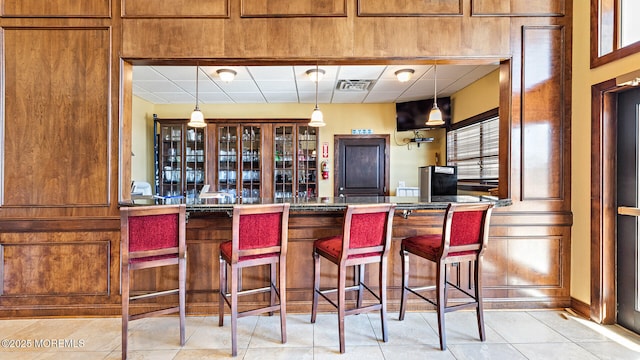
(290, 84)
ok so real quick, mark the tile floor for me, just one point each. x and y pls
(510, 335)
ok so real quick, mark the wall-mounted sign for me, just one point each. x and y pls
(361, 131)
(325, 150)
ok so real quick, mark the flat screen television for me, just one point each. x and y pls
(412, 115)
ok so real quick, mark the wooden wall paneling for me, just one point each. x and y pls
(58, 8)
(173, 39)
(518, 8)
(534, 261)
(56, 269)
(293, 8)
(411, 37)
(409, 7)
(57, 128)
(542, 113)
(175, 8)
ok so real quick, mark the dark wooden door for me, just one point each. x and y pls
(362, 165)
(628, 183)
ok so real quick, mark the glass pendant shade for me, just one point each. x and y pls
(317, 119)
(197, 119)
(435, 117)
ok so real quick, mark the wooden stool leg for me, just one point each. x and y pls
(478, 292)
(125, 309)
(182, 290)
(223, 291)
(359, 272)
(383, 299)
(404, 256)
(272, 285)
(441, 286)
(342, 279)
(316, 285)
(283, 301)
(234, 310)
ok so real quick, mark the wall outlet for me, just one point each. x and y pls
(401, 184)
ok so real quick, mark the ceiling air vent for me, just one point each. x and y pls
(355, 85)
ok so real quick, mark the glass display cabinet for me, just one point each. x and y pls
(295, 164)
(239, 161)
(180, 164)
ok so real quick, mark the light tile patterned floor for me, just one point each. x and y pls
(536, 335)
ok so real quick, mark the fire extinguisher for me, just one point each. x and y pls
(325, 169)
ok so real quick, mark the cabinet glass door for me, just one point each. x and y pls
(195, 163)
(284, 156)
(307, 163)
(227, 159)
(169, 176)
(251, 169)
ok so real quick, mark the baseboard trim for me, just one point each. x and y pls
(581, 308)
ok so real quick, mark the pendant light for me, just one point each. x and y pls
(317, 119)
(435, 116)
(197, 118)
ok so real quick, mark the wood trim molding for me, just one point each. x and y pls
(603, 217)
(244, 13)
(403, 12)
(479, 10)
(580, 308)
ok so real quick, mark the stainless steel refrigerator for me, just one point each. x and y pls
(437, 180)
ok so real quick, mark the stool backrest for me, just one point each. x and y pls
(152, 232)
(466, 229)
(367, 229)
(259, 229)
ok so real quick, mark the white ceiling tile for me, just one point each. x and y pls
(355, 72)
(381, 97)
(348, 97)
(213, 98)
(247, 97)
(280, 97)
(158, 86)
(177, 97)
(283, 73)
(276, 86)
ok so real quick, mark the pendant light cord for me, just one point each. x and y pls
(317, 80)
(435, 83)
(197, 71)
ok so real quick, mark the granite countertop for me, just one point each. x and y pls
(330, 204)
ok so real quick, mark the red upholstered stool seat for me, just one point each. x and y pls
(331, 248)
(426, 246)
(226, 251)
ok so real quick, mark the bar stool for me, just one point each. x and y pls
(365, 239)
(464, 238)
(150, 237)
(258, 237)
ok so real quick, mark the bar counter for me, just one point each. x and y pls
(404, 204)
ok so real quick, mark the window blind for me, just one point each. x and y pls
(474, 150)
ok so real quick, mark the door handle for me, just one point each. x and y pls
(628, 210)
